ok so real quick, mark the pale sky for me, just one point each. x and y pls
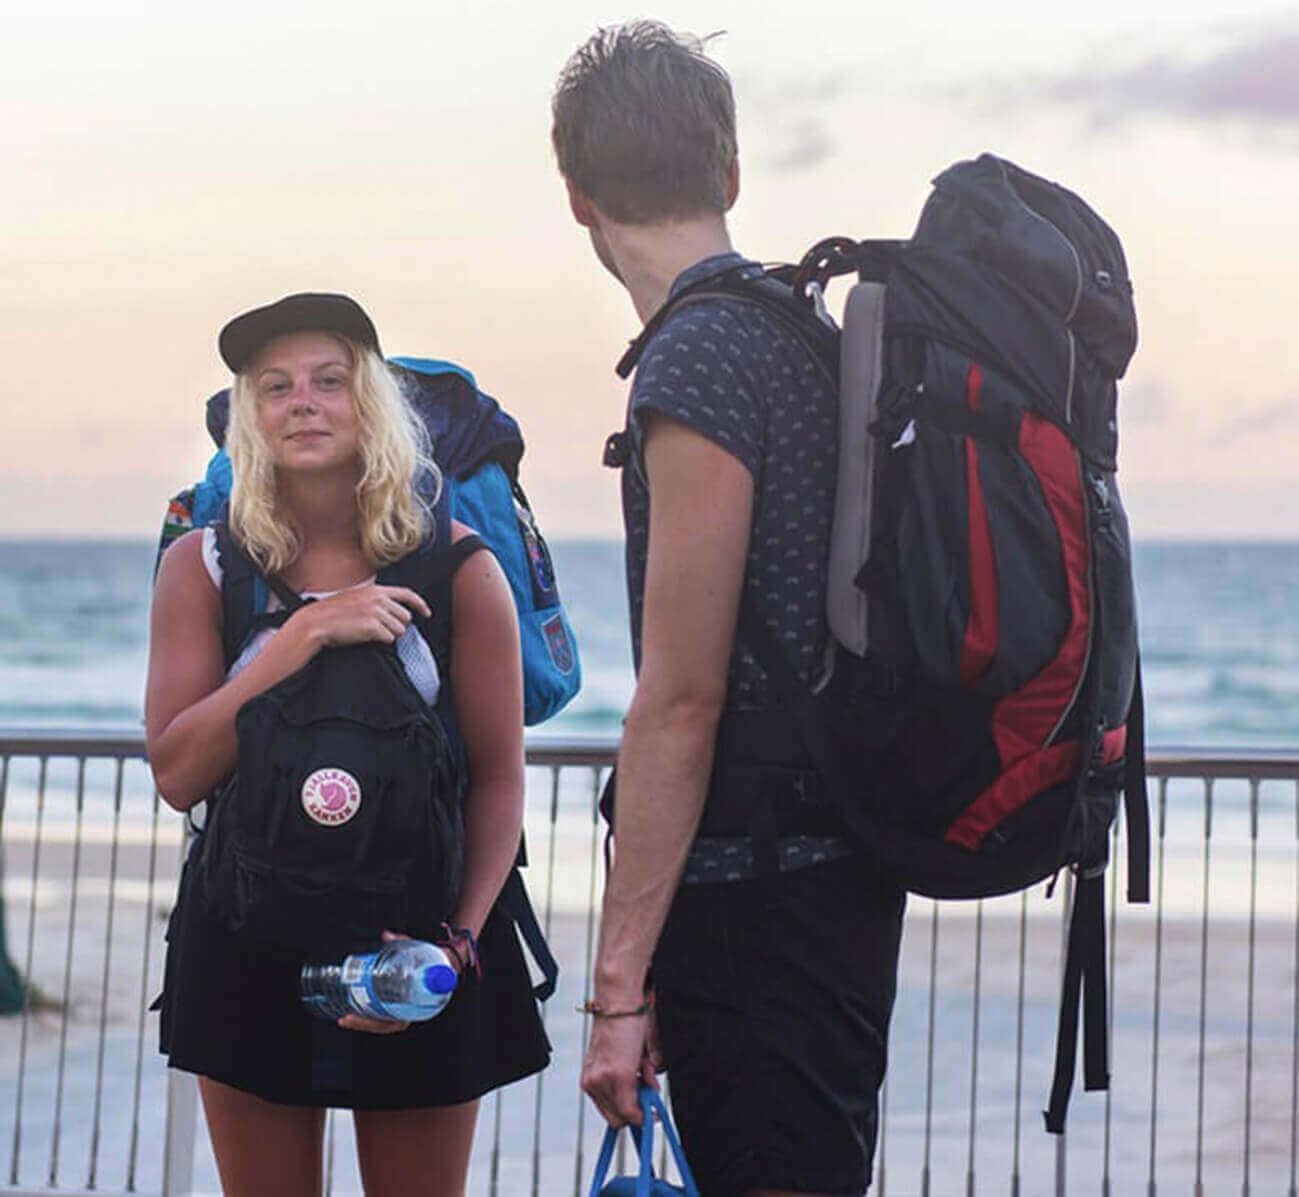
(167, 166)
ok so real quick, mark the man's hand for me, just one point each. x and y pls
(621, 1053)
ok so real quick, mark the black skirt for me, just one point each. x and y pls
(230, 1011)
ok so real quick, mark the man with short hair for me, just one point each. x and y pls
(739, 929)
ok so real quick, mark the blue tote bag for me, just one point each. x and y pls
(644, 1183)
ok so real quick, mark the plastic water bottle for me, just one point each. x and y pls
(406, 980)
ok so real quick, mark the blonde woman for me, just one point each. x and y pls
(328, 465)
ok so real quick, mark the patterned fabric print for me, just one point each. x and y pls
(729, 371)
(730, 858)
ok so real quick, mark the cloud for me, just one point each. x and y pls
(801, 146)
(1265, 421)
(793, 120)
(1145, 403)
(1255, 79)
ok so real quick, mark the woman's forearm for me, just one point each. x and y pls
(493, 828)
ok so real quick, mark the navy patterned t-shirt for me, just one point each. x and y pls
(733, 373)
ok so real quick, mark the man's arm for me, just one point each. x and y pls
(701, 503)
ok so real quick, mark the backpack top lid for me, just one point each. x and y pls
(1045, 240)
(467, 428)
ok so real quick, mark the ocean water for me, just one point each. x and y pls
(1219, 634)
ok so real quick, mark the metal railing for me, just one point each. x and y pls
(1203, 1002)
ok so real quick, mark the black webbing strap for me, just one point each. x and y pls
(289, 597)
(1084, 980)
(1136, 809)
(802, 706)
(515, 902)
(1000, 425)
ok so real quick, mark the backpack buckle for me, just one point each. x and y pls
(617, 450)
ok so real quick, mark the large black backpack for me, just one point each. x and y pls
(343, 816)
(985, 709)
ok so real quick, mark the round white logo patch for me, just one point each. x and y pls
(331, 796)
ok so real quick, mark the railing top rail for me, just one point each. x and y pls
(545, 749)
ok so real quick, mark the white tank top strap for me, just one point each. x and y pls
(210, 559)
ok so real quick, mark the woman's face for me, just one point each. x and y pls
(305, 405)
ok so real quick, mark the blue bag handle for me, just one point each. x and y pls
(651, 1104)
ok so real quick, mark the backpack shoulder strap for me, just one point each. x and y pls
(429, 571)
(773, 291)
(243, 593)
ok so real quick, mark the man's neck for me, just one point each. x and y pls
(648, 258)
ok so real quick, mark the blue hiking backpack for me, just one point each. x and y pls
(478, 447)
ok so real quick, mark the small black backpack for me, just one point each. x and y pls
(343, 816)
(984, 712)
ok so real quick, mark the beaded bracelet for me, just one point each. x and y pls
(454, 938)
(598, 1011)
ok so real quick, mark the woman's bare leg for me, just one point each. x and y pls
(262, 1148)
(415, 1153)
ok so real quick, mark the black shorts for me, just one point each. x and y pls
(230, 1011)
(773, 999)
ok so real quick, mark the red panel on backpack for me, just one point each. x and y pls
(1024, 721)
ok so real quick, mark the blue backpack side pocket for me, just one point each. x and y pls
(499, 513)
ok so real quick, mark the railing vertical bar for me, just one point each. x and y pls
(881, 1170)
(57, 1132)
(134, 1150)
(1204, 990)
(15, 1157)
(1294, 1019)
(929, 1048)
(546, 922)
(4, 872)
(578, 1161)
(1249, 1000)
(494, 1180)
(1151, 1180)
(182, 1098)
(1019, 1045)
(1109, 1014)
(104, 981)
(331, 1120)
(974, 1048)
(663, 1145)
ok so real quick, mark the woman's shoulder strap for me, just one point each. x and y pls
(243, 592)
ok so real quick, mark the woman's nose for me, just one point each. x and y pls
(301, 396)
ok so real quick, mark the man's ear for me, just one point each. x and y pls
(581, 207)
(732, 182)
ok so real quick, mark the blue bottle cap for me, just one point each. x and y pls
(439, 978)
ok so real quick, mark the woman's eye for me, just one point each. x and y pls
(332, 381)
(274, 388)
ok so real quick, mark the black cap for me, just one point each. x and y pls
(241, 339)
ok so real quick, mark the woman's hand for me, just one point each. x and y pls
(386, 1026)
(360, 615)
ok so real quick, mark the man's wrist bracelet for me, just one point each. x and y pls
(598, 1011)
